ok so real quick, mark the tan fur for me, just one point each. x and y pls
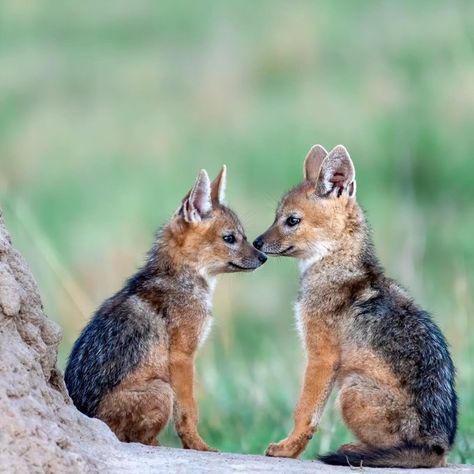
(141, 406)
(323, 359)
(176, 298)
(373, 403)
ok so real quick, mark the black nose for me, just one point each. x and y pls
(262, 257)
(258, 243)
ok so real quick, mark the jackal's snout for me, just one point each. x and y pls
(262, 244)
(261, 257)
(250, 258)
(258, 242)
(272, 243)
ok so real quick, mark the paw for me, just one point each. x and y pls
(199, 445)
(202, 446)
(290, 447)
(283, 449)
(209, 449)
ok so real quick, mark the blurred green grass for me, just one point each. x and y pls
(109, 109)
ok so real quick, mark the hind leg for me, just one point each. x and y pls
(379, 416)
(138, 413)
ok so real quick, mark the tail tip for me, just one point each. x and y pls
(338, 458)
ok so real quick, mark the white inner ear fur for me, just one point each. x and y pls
(352, 188)
(190, 214)
(199, 201)
(337, 176)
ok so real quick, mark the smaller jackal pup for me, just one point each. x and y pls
(133, 364)
(360, 329)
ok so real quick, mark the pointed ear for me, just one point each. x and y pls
(218, 187)
(197, 203)
(337, 175)
(312, 162)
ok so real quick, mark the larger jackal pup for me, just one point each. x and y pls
(360, 330)
(134, 361)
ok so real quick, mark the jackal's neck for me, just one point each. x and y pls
(163, 264)
(352, 257)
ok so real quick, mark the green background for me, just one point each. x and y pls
(109, 109)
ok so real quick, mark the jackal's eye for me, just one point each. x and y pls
(229, 238)
(292, 221)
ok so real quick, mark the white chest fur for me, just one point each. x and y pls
(299, 322)
(320, 250)
(205, 330)
(207, 323)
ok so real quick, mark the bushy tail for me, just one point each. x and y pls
(404, 456)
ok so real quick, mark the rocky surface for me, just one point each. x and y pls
(42, 432)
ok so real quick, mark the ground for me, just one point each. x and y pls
(133, 456)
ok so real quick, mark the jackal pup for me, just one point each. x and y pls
(133, 364)
(360, 330)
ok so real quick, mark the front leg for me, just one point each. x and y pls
(182, 351)
(320, 374)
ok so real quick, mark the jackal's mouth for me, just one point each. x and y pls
(283, 252)
(241, 268)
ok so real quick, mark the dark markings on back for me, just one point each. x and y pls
(413, 345)
(111, 346)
